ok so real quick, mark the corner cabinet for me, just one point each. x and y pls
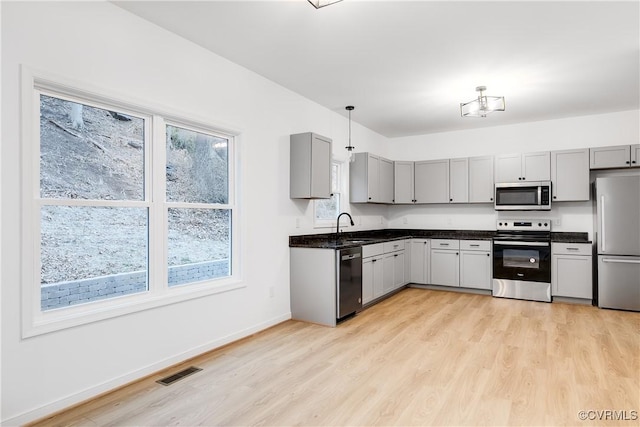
(310, 166)
(570, 175)
(571, 270)
(523, 167)
(370, 179)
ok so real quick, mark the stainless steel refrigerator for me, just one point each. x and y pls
(618, 242)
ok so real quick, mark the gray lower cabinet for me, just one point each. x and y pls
(420, 256)
(383, 269)
(475, 264)
(571, 270)
(445, 262)
(310, 166)
(570, 175)
(372, 271)
(313, 285)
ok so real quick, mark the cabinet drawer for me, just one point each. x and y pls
(372, 250)
(571, 248)
(396, 245)
(475, 245)
(445, 244)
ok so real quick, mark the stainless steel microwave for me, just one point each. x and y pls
(523, 196)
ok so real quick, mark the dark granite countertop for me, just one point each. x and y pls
(367, 237)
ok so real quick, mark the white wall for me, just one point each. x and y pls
(577, 132)
(100, 44)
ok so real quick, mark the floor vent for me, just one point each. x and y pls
(178, 376)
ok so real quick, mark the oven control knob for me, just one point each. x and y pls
(500, 223)
(545, 224)
(539, 224)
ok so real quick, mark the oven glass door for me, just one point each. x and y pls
(528, 261)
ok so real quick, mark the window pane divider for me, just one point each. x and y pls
(185, 205)
(94, 203)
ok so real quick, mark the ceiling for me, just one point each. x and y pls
(407, 65)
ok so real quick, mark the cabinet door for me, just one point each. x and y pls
(481, 185)
(536, 166)
(618, 156)
(445, 267)
(373, 172)
(378, 277)
(571, 276)
(432, 181)
(403, 182)
(508, 168)
(320, 173)
(635, 156)
(398, 269)
(570, 175)
(418, 268)
(367, 280)
(407, 261)
(385, 181)
(388, 273)
(459, 180)
(475, 269)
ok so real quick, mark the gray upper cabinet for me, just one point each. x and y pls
(616, 156)
(523, 167)
(481, 184)
(403, 182)
(635, 156)
(310, 166)
(459, 180)
(432, 181)
(370, 179)
(570, 175)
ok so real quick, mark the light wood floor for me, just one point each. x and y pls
(421, 357)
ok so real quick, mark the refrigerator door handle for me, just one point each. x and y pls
(602, 246)
(622, 261)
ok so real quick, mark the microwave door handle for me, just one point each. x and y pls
(539, 194)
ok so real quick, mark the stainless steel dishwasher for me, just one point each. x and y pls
(349, 292)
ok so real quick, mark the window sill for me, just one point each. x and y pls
(69, 317)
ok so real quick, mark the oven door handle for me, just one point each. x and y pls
(515, 243)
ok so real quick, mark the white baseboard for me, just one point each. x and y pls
(91, 392)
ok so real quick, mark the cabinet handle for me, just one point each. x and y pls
(456, 253)
(633, 161)
(491, 199)
(573, 249)
(395, 255)
(444, 244)
(369, 198)
(374, 260)
(474, 245)
(555, 197)
(488, 254)
(451, 200)
(627, 162)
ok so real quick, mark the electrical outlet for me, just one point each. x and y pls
(557, 222)
(272, 292)
(405, 220)
(449, 221)
(297, 222)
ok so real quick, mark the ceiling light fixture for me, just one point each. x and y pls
(350, 147)
(322, 3)
(483, 105)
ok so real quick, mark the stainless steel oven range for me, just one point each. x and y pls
(522, 259)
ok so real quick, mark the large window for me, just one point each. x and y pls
(130, 207)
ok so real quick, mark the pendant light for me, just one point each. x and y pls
(350, 147)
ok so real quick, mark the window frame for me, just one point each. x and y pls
(34, 320)
(336, 188)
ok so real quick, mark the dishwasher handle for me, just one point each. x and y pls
(350, 256)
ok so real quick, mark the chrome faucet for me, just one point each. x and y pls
(338, 223)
